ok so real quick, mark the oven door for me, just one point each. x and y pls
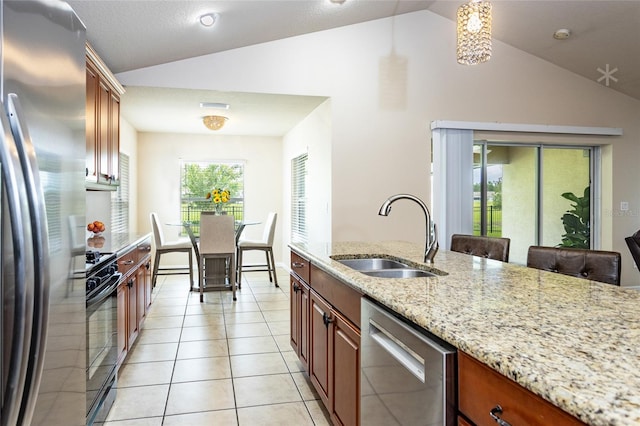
(102, 350)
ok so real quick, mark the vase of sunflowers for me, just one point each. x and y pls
(218, 197)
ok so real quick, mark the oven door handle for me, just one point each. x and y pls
(113, 284)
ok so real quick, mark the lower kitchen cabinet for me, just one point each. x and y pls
(331, 354)
(484, 394)
(299, 311)
(134, 295)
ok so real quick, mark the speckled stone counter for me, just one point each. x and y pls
(574, 342)
(114, 243)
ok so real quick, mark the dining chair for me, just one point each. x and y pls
(633, 242)
(163, 247)
(490, 247)
(217, 248)
(265, 244)
(595, 265)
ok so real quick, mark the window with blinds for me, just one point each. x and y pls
(120, 199)
(299, 233)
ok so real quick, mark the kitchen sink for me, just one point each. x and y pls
(380, 267)
(399, 273)
(372, 264)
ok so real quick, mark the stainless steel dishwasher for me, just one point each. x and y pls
(407, 376)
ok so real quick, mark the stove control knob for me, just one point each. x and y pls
(92, 283)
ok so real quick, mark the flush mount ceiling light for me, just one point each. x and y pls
(208, 19)
(474, 32)
(217, 105)
(562, 34)
(214, 122)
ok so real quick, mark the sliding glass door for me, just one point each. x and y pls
(532, 194)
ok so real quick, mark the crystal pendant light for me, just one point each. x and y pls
(214, 122)
(474, 32)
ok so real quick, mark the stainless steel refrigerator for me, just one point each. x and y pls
(42, 135)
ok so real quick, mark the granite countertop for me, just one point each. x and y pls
(574, 342)
(118, 243)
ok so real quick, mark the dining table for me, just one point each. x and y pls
(215, 270)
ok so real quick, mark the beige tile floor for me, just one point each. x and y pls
(216, 363)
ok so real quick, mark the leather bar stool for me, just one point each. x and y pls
(489, 247)
(595, 265)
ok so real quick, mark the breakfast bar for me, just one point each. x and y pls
(573, 342)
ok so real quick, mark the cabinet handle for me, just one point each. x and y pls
(296, 287)
(127, 262)
(130, 283)
(494, 413)
(326, 319)
(297, 265)
(148, 265)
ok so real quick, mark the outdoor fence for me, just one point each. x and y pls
(494, 221)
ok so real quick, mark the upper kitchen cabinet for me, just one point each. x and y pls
(103, 125)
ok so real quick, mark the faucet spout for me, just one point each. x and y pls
(431, 240)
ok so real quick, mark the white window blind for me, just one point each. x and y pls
(120, 199)
(299, 232)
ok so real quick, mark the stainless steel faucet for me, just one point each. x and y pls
(431, 243)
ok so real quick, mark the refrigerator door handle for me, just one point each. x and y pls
(40, 247)
(12, 179)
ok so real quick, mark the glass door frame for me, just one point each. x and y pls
(594, 183)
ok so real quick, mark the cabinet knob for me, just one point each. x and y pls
(495, 415)
(326, 319)
(296, 287)
(297, 265)
(130, 283)
(127, 262)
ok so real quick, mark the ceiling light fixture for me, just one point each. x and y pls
(217, 105)
(208, 19)
(214, 122)
(474, 32)
(562, 34)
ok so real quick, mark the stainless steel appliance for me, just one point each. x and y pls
(42, 150)
(102, 334)
(407, 375)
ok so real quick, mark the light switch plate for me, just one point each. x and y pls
(624, 206)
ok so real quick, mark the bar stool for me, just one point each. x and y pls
(475, 245)
(266, 245)
(595, 265)
(163, 247)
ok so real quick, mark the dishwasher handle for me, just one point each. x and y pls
(394, 347)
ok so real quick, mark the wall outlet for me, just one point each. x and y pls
(624, 206)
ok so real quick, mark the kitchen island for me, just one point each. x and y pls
(573, 342)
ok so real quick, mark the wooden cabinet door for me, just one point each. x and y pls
(123, 332)
(295, 314)
(140, 296)
(147, 285)
(114, 138)
(132, 306)
(345, 372)
(303, 355)
(319, 345)
(91, 123)
(102, 146)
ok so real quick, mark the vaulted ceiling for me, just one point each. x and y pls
(128, 35)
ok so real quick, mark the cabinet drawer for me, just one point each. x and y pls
(144, 249)
(300, 266)
(481, 389)
(127, 261)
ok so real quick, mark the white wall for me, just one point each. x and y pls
(129, 146)
(159, 156)
(312, 136)
(379, 147)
